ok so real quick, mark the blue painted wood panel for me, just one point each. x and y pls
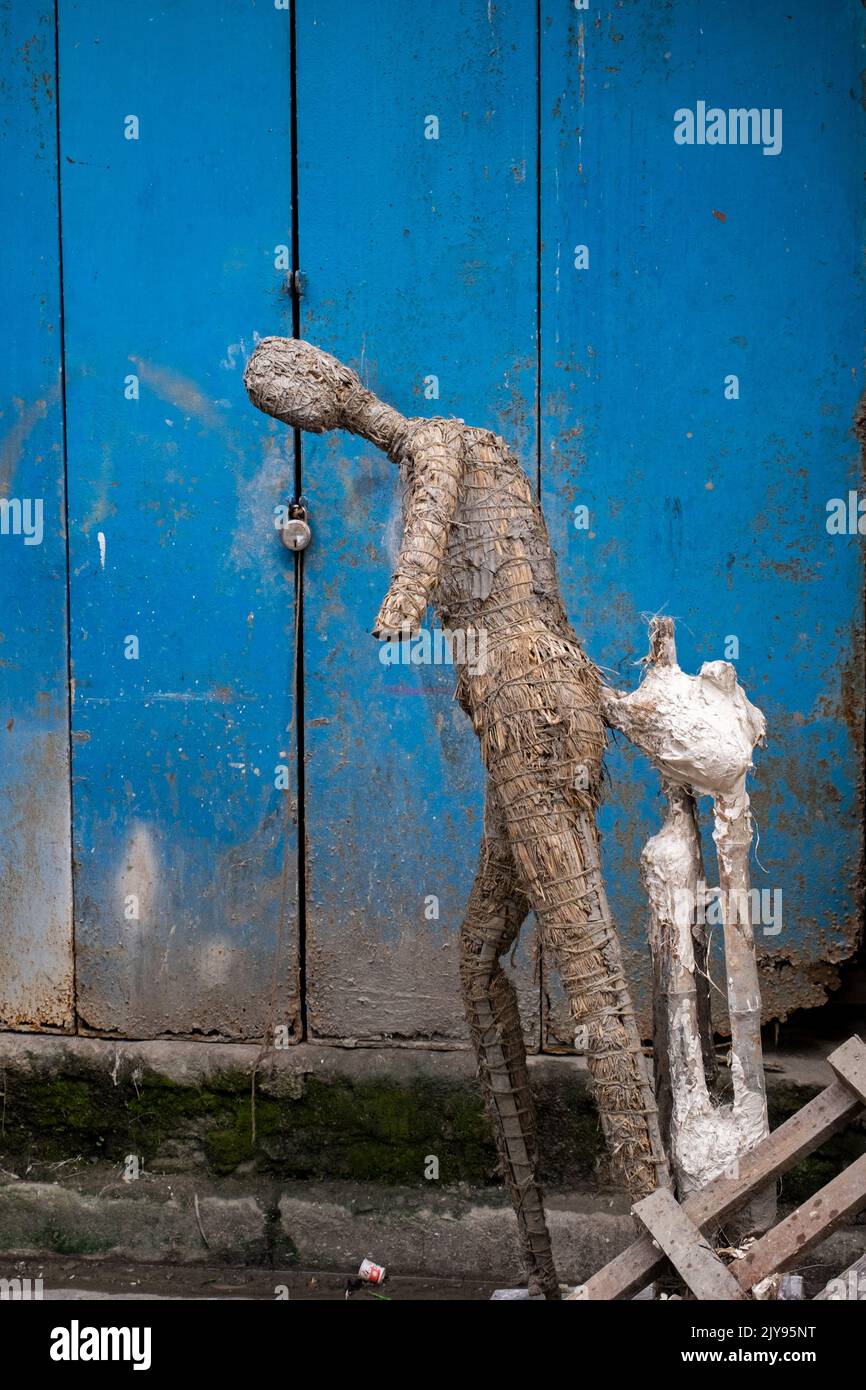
(176, 166)
(417, 201)
(35, 858)
(707, 261)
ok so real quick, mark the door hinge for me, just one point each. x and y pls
(296, 283)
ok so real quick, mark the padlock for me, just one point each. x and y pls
(295, 531)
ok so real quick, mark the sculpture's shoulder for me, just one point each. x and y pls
(488, 441)
(492, 456)
(429, 432)
(482, 459)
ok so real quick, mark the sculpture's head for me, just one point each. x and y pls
(300, 384)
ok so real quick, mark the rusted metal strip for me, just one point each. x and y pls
(849, 1064)
(799, 1136)
(811, 1222)
(688, 1251)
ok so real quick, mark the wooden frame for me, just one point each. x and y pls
(666, 1238)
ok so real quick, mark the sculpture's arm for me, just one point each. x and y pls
(435, 468)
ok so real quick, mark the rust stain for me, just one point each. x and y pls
(581, 62)
(179, 391)
(36, 964)
(101, 508)
(15, 438)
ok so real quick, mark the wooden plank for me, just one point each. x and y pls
(850, 1285)
(811, 1222)
(849, 1064)
(799, 1136)
(688, 1251)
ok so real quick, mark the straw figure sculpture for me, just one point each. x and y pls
(475, 546)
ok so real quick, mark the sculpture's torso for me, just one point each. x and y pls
(499, 568)
(499, 580)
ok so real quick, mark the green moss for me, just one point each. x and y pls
(63, 1242)
(54, 1118)
(382, 1131)
(69, 1102)
(375, 1130)
(231, 1142)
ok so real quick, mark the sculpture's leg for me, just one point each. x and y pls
(494, 916)
(733, 838)
(696, 1133)
(590, 961)
(555, 846)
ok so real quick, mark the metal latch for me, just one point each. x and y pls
(295, 532)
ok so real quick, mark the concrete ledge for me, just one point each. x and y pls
(194, 1063)
(444, 1235)
(155, 1223)
(332, 1226)
(92, 1215)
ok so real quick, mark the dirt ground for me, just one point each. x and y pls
(106, 1279)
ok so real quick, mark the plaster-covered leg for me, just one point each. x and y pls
(732, 834)
(701, 1139)
(670, 870)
